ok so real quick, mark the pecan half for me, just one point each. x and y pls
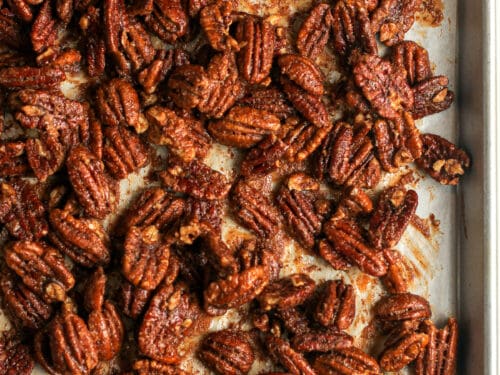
(393, 18)
(404, 351)
(323, 341)
(315, 31)
(148, 367)
(442, 160)
(282, 353)
(303, 72)
(15, 357)
(168, 20)
(188, 86)
(269, 99)
(27, 77)
(337, 305)
(294, 320)
(133, 300)
(152, 76)
(398, 275)
(354, 202)
(45, 154)
(302, 139)
(287, 292)
(107, 330)
(22, 8)
(432, 96)
(215, 20)
(346, 361)
(227, 352)
(333, 257)
(90, 24)
(414, 59)
(45, 28)
(12, 33)
(399, 307)
(95, 289)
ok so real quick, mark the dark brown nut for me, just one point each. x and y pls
(396, 308)
(352, 34)
(41, 269)
(264, 157)
(303, 72)
(90, 24)
(383, 85)
(156, 72)
(13, 159)
(282, 353)
(323, 341)
(302, 139)
(222, 258)
(12, 33)
(403, 351)
(227, 352)
(95, 190)
(23, 307)
(399, 275)
(15, 358)
(286, 293)
(254, 210)
(141, 8)
(295, 321)
(255, 58)
(215, 20)
(168, 20)
(22, 212)
(146, 257)
(195, 179)
(269, 99)
(440, 355)
(253, 253)
(188, 86)
(95, 289)
(66, 59)
(200, 218)
(310, 106)
(64, 10)
(23, 77)
(123, 152)
(354, 202)
(22, 8)
(296, 200)
(393, 18)
(169, 319)
(243, 127)
(347, 238)
(432, 96)
(148, 367)
(45, 154)
(414, 59)
(184, 136)
(133, 300)
(315, 31)
(398, 142)
(44, 31)
(337, 305)
(83, 240)
(72, 348)
(107, 330)
(442, 160)
(334, 258)
(393, 213)
(347, 361)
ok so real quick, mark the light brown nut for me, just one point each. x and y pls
(323, 341)
(393, 18)
(303, 72)
(168, 20)
(287, 292)
(13, 160)
(215, 20)
(336, 306)
(315, 31)
(404, 351)
(107, 330)
(414, 59)
(282, 353)
(396, 308)
(348, 361)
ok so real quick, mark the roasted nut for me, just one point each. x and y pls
(282, 353)
(12, 34)
(168, 321)
(264, 157)
(64, 10)
(44, 30)
(383, 85)
(227, 352)
(393, 18)
(188, 86)
(200, 218)
(442, 160)
(15, 358)
(218, 255)
(294, 320)
(45, 154)
(83, 240)
(95, 289)
(243, 127)
(287, 292)
(404, 351)
(399, 275)
(346, 361)
(13, 159)
(133, 300)
(414, 59)
(303, 72)
(215, 20)
(269, 99)
(107, 331)
(432, 96)
(333, 257)
(26, 77)
(395, 308)
(148, 367)
(323, 341)
(354, 202)
(155, 73)
(90, 24)
(302, 139)
(66, 59)
(22, 8)
(336, 306)
(168, 20)
(315, 31)
(255, 58)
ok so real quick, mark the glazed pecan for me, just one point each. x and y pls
(414, 59)
(264, 157)
(148, 367)
(227, 352)
(41, 269)
(95, 289)
(432, 96)
(45, 28)
(64, 10)
(123, 152)
(27, 77)
(282, 353)
(153, 75)
(243, 127)
(393, 18)
(168, 321)
(384, 85)
(15, 358)
(442, 160)
(107, 331)
(215, 20)
(315, 31)
(323, 341)
(269, 99)
(22, 212)
(12, 33)
(348, 240)
(188, 86)
(23, 8)
(200, 218)
(146, 257)
(301, 139)
(354, 202)
(72, 348)
(399, 275)
(13, 161)
(395, 308)
(287, 292)
(404, 350)
(346, 361)
(303, 72)
(255, 58)
(45, 154)
(337, 305)
(333, 257)
(83, 240)
(133, 300)
(168, 20)
(90, 24)
(440, 355)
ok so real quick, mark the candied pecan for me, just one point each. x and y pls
(22, 212)
(269, 99)
(323, 341)
(45, 154)
(255, 58)
(432, 96)
(442, 160)
(398, 142)
(287, 292)
(95, 190)
(227, 352)
(64, 10)
(200, 218)
(90, 24)
(315, 31)
(215, 20)
(41, 269)
(346, 361)
(395, 308)
(336, 305)
(352, 34)
(440, 355)
(393, 18)
(45, 29)
(404, 351)
(21, 77)
(184, 136)
(294, 320)
(66, 59)
(83, 240)
(72, 348)
(243, 127)
(167, 322)
(282, 353)
(11, 34)
(148, 367)
(414, 59)
(392, 215)
(151, 76)
(133, 300)
(95, 289)
(264, 157)
(354, 202)
(22, 8)
(296, 200)
(13, 161)
(398, 273)
(24, 307)
(15, 358)
(255, 210)
(384, 85)
(188, 86)
(334, 258)
(140, 8)
(168, 20)
(107, 331)
(218, 254)
(347, 238)
(302, 139)
(303, 72)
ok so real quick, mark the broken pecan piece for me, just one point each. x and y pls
(148, 367)
(168, 20)
(282, 353)
(107, 331)
(287, 292)
(303, 72)
(323, 341)
(393, 18)
(215, 20)
(337, 305)
(354, 202)
(414, 59)
(346, 361)
(315, 31)
(27, 77)
(432, 96)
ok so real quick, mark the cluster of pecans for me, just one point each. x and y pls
(90, 295)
